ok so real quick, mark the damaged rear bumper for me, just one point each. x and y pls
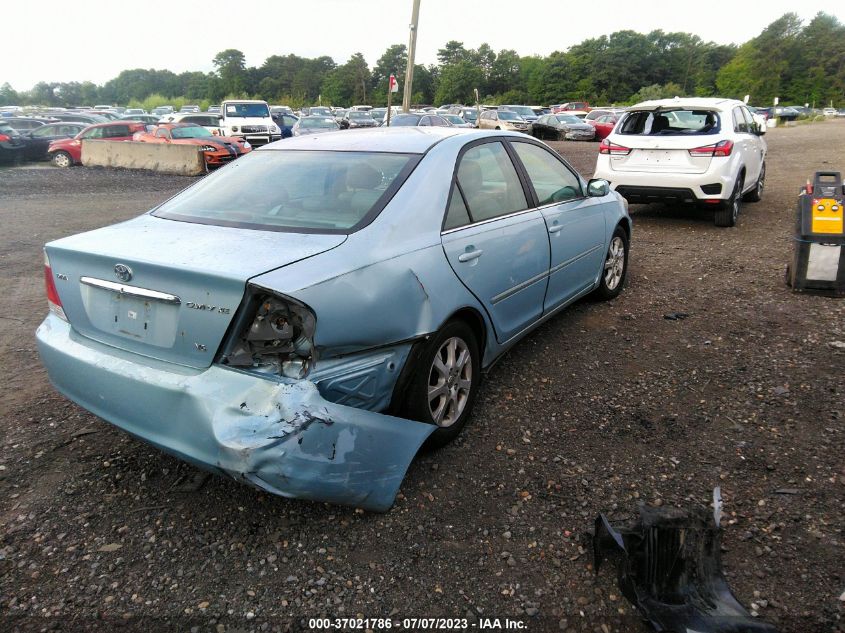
(283, 438)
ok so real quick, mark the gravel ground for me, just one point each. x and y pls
(603, 408)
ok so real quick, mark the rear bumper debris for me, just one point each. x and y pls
(280, 437)
(670, 569)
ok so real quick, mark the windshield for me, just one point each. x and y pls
(317, 122)
(568, 118)
(190, 131)
(299, 191)
(405, 119)
(522, 110)
(679, 122)
(247, 110)
(359, 115)
(470, 115)
(453, 118)
(507, 115)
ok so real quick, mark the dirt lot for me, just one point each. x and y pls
(605, 407)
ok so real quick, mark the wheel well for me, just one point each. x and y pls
(476, 322)
(469, 316)
(625, 223)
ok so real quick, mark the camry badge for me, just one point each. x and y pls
(122, 272)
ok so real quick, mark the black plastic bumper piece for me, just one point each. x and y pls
(670, 569)
(643, 195)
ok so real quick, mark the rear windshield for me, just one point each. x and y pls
(297, 191)
(507, 115)
(678, 122)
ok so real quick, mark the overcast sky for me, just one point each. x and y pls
(94, 40)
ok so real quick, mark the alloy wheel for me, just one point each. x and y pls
(449, 382)
(614, 265)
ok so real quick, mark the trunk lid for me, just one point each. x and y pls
(668, 154)
(185, 282)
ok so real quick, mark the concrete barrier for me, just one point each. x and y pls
(185, 160)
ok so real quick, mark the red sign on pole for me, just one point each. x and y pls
(394, 85)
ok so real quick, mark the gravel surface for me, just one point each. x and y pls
(605, 407)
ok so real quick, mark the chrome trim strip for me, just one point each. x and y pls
(132, 291)
(509, 293)
(488, 221)
(554, 269)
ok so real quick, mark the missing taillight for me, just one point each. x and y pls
(278, 339)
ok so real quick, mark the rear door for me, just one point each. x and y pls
(495, 243)
(575, 223)
(749, 145)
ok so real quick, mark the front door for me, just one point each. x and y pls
(575, 223)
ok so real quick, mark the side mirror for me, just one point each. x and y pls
(598, 188)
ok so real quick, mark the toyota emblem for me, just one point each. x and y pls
(122, 272)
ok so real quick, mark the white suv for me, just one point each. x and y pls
(706, 151)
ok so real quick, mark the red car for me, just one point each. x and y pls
(604, 125)
(217, 150)
(67, 152)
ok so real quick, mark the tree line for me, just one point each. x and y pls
(800, 63)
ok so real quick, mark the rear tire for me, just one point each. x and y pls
(445, 382)
(756, 194)
(728, 211)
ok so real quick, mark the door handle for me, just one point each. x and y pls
(470, 255)
(555, 228)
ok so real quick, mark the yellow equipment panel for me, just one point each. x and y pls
(827, 217)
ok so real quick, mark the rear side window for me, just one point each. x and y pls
(676, 122)
(116, 131)
(489, 182)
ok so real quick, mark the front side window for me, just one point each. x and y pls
(298, 191)
(162, 133)
(96, 132)
(552, 181)
(489, 182)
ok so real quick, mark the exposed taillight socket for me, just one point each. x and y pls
(53, 300)
(272, 334)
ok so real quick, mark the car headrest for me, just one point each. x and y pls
(363, 176)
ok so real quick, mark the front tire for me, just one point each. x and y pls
(62, 159)
(728, 212)
(615, 268)
(445, 382)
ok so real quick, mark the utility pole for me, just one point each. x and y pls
(412, 48)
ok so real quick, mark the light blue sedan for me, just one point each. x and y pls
(305, 318)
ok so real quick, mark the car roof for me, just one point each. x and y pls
(687, 102)
(410, 140)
